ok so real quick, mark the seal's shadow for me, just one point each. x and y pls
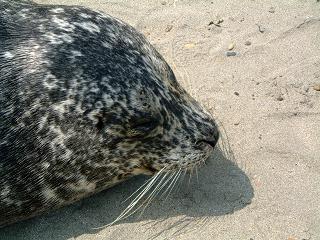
(222, 188)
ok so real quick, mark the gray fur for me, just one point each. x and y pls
(85, 102)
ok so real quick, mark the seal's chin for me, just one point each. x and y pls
(148, 170)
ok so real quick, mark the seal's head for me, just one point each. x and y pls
(151, 122)
(156, 124)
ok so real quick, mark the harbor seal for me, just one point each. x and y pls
(86, 102)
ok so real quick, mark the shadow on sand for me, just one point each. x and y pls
(222, 188)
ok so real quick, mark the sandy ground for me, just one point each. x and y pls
(265, 98)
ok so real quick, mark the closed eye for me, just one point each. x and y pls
(146, 124)
(141, 127)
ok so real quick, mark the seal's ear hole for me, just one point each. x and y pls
(142, 92)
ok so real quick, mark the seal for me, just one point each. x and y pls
(86, 102)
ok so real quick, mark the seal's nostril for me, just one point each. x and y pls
(210, 142)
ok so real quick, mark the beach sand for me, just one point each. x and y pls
(264, 181)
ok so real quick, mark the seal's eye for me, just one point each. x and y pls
(142, 126)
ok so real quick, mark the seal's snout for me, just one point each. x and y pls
(209, 134)
(210, 138)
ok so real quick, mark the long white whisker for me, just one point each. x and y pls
(184, 174)
(124, 214)
(190, 174)
(156, 188)
(153, 194)
(174, 182)
(145, 183)
(165, 183)
(196, 167)
(128, 214)
(146, 189)
(150, 198)
(170, 177)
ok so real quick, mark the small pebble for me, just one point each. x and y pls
(236, 93)
(280, 98)
(261, 29)
(236, 123)
(189, 45)
(220, 21)
(271, 10)
(168, 28)
(163, 2)
(291, 238)
(231, 46)
(216, 22)
(316, 87)
(247, 43)
(231, 54)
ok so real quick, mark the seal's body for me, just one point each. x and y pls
(85, 102)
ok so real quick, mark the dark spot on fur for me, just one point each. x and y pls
(100, 123)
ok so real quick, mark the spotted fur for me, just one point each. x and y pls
(85, 102)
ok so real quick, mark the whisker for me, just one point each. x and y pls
(190, 175)
(165, 183)
(134, 202)
(157, 188)
(153, 194)
(174, 182)
(150, 184)
(156, 183)
(196, 167)
(184, 174)
(145, 183)
(203, 161)
(171, 176)
(225, 143)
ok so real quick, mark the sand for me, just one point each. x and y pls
(266, 184)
